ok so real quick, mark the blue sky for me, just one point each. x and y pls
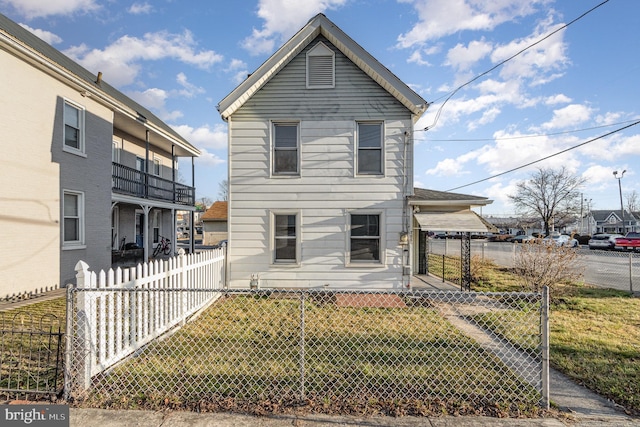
(180, 58)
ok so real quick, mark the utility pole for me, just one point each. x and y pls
(615, 175)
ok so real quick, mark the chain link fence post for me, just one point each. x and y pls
(544, 329)
(302, 345)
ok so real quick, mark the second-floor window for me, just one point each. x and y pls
(73, 128)
(285, 149)
(370, 149)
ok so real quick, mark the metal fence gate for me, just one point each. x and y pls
(31, 350)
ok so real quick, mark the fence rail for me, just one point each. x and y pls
(120, 311)
(611, 269)
(273, 349)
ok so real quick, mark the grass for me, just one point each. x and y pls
(247, 351)
(594, 334)
(595, 339)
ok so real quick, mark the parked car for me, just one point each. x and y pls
(521, 238)
(631, 241)
(562, 240)
(603, 241)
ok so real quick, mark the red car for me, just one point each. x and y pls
(629, 242)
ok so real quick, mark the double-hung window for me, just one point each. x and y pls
(73, 128)
(370, 148)
(365, 238)
(73, 218)
(285, 149)
(285, 245)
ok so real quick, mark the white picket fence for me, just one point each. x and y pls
(117, 312)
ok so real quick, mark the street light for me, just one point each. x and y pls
(588, 202)
(615, 175)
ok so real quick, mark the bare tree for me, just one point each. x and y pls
(552, 196)
(633, 204)
(223, 190)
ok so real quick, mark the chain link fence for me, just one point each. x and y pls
(610, 269)
(274, 351)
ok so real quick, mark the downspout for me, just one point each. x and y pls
(404, 235)
(192, 245)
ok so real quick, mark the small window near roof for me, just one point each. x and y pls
(320, 67)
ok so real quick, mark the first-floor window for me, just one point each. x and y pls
(73, 211)
(285, 237)
(365, 238)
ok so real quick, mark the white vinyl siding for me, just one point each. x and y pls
(326, 190)
(73, 128)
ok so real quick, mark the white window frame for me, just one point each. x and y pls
(273, 237)
(381, 243)
(80, 150)
(116, 150)
(323, 53)
(155, 165)
(274, 125)
(80, 242)
(381, 148)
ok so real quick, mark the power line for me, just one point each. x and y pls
(528, 136)
(547, 157)
(499, 64)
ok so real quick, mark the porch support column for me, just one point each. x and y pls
(145, 241)
(465, 257)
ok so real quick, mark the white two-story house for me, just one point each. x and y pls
(320, 167)
(85, 169)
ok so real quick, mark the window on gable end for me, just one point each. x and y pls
(321, 67)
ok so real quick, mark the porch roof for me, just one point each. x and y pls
(460, 221)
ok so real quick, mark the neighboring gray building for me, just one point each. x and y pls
(85, 169)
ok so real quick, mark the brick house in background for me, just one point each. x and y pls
(214, 224)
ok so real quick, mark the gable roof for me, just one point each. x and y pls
(128, 114)
(216, 212)
(321, 25)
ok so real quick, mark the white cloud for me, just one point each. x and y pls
(189, 90)
(153, 98)
(208, 159)
(438, 18)
(42, 8)
(205, 137)
(571, 115)
(119, 61)
(47, 36)
(544, 57)
(282, 18)
(140, 9)
(557, 99)
(463, 57)
(238, 69)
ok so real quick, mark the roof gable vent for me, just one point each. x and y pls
(320, 67)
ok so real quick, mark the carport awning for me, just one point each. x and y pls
(461, 221)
